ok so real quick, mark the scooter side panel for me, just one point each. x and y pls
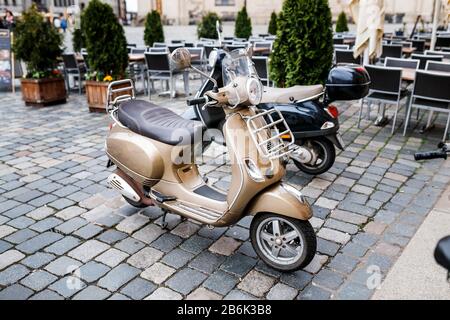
(277, 200)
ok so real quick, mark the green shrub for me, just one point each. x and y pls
(341, 23)
(153, 29)
(78, 41)
(243, 26)
(303, 50)
(105, 41)
(273, 24)
(37, 43)
(207, 27)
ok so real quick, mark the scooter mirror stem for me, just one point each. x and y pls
(214, 81)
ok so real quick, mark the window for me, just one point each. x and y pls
(225, 3)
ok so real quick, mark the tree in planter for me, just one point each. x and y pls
(153, 29)
(303, 50)
(38, 44)
(273, 24)
(243, 26)
(341, 23)
(207, 27)
(105, 42)
(78, 41)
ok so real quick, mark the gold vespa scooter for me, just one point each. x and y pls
(152, 148)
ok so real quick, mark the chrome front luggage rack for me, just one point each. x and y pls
(266, 134)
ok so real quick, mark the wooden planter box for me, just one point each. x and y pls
(96, 95)
(43, 92)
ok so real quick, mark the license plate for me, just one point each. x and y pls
(339, 138)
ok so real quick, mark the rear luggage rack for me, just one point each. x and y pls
(265, 133)
(119, 91)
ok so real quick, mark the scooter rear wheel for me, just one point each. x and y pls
(284, 243)
(326, 153)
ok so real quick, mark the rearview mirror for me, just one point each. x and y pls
(218, 27)
(442, 253)
(181, 58)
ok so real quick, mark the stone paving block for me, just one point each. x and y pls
(92, 293)
(342, 226)
(70, 212)
(316, 264)
(326, 247)
(133, 223)
(92, 271)
(256, 283)
(282, 292)
(167, 242)
(145, 258)
(41, 213)
(63, 266)
(118, 296)
(38, 280)
(196, 244)
(13, 274)
(88, 231)
(328, 279)
(298, 279)
(118, 276)
(112, 236)
(177, 258)
(214, 234)
(38, 260)
(112, 257)
(6, 230)
(15, 292)
(164, 294)
(203, 294)
(333, 235)
(186, 280)
(207, 262)
(354, 291)
(348, 217)
(158, 273)
(9, 257)
(312, 292)
(238, 295)
(149, 233)
(185, 229)
(130, 245)
(68, 286)
(4, 246)
(238, 264)
(19, 210)
(47, 295)
(238, 233)
(354, 250)
(20, 222)
(247, 249)
(71, 225)
(88, 250)
(224, 246)
(138, 289)
(221, 282)
(62, 246)
(46, 224)
(343, 263)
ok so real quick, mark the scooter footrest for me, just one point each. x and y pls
(161, 198)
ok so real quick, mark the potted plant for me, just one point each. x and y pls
(273, 24)
(243, 26)
(303, 50)
(153, 31)
(207, 27)
(38, 44)
(341, 23)
(107, 51)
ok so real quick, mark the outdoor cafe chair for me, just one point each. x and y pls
(394, 51)
(86, 60)
(446, 55)
(438, 66)
(442, 41)
(232, 47)
(262, 68)
(419, 45)
(198, 59)
(267, 45)
(425, 58)
(338, 40)
(385, 88)
(159, 68)
(401, 63)
(430, 93)
(209, 48)
(346, 56)
(404, 44)
(341, 47)
(74, 69)
(159, 50)
(159, 45)
(173, 47)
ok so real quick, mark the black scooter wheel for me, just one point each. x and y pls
(326, 156)
(283, 243)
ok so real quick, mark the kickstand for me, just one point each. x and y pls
(164, 223)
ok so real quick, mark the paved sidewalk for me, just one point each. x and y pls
(65, 235)
(416, 275)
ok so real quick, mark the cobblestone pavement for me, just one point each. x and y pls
(64, 234)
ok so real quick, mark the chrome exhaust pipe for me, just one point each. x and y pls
(118, 183)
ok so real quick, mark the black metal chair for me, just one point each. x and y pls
(235, 46)
(74, 69)
(198, 57)
(438, 66)
(401, 63)
(159, 45)
(385, 88)
(419, 45)
(86, 60)
(338, 40)
(265, 45)
(393, 51)
(430, 93)
(425, 58)
(346, 56)
(442, 42)
(262, 68)
(173, 47)
(158, 50)
(159, 68)
(341, 47)
(445, 54)
(209, 48)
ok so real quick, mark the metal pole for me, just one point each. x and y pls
(437, 7)
(13, 67)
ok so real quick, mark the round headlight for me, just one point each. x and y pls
(212, 58)
(254, 91)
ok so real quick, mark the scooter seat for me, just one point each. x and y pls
(290, 95)
(157, 123)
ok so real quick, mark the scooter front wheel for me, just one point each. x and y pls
(326, 155)
(284, 243)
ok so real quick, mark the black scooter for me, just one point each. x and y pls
(307, 110)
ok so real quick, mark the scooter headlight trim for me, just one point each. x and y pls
(327, 125)
(254, 91)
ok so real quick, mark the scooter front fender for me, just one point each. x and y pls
(281, 199)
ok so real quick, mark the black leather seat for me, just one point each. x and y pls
(158, 123)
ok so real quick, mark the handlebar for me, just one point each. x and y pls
(430, 155)
(196, 101)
